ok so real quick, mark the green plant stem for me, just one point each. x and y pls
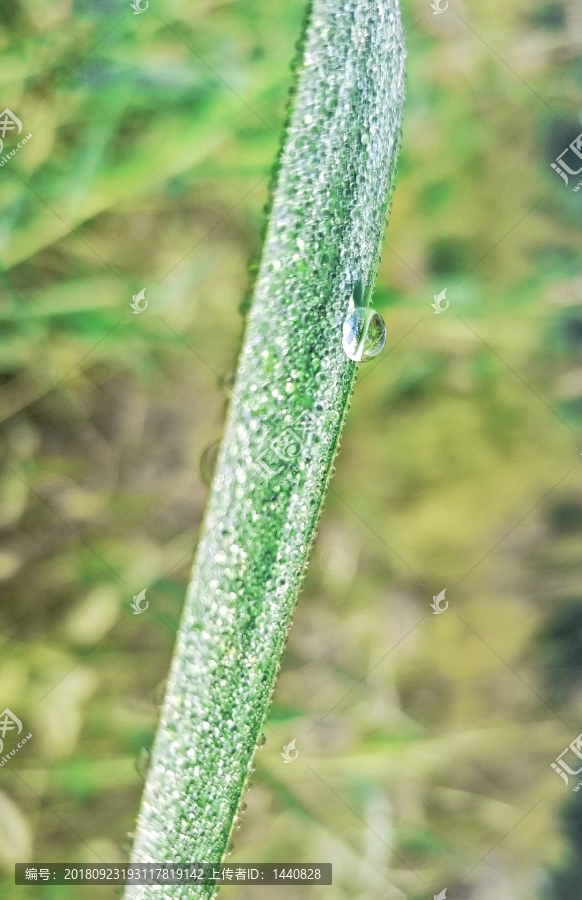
(294, 380)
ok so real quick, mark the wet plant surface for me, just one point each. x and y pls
(424, 741)
(287, 407)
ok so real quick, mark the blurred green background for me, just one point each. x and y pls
(424, 741)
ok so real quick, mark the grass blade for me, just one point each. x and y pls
(324, 238)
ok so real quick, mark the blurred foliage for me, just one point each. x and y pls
(153, 139)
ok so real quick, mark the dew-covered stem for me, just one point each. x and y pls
(294, 379)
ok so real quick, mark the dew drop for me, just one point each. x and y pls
(143, 761)
(127, 844)
(159, 692)
(208, 461)
(364, 334)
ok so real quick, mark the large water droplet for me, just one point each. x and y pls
(143, 761)
(364, 334)
(208, 462)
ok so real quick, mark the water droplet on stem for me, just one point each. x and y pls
(143, 761)
(364, 334)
